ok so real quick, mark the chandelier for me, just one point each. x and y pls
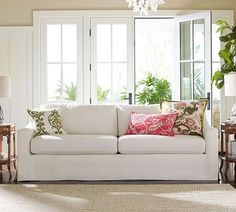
(144, 5)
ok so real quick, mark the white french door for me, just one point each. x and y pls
(193, 58)
(61, 61)
(112, 72)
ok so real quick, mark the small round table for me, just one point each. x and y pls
(226, 130)
(8, 131)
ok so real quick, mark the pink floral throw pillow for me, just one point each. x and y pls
(190, 116)
(154, 124)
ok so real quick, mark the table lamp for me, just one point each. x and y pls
(4, 92)
(230, 90)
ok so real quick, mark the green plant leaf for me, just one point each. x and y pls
(229, 37)
(224, 38)
(225, 54)
(221, 29)
(218, 78)
(221, 22)
(151, 90)
(102, 94)
(219, 84)
(70, 92)
(234, 28)
(218, 75)
(228, 46)
(226, 68)
(67, 91)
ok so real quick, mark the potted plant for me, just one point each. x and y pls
(228, 54)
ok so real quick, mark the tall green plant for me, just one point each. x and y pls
(151, 90)
(228, 54)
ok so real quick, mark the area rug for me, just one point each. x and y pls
(109, 198)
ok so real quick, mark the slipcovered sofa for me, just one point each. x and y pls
(96, 148)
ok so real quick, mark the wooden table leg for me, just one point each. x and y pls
(1, 151)
(221, 151)
(222, 144)
(221, 164)
(14, 153)
(226, 153)
(9, 155)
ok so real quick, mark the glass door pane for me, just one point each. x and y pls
(186, 81)
(199, 39)
(185, 39)
(111, 49)
(198, 80)
(154, 55)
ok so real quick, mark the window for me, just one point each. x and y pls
(62, 61)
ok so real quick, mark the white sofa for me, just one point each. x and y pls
(97, 149)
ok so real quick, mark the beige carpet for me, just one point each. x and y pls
(109, 198)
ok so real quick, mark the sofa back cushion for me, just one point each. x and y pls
(89, 119)
(125, 111)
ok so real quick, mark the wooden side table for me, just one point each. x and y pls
(226, 130)
(9, 131)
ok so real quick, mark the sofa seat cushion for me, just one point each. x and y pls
(151, 144)
(73, 144)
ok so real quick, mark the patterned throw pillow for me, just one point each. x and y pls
(154, 124)
(46, 122)
(190, 116)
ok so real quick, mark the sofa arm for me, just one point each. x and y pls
(210, 135)
(24, 137)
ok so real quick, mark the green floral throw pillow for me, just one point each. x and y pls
(190, 116)
(46, 122)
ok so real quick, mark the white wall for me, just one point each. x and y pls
(15, 12)
(16, 61)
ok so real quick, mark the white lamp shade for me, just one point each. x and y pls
(5, 86)
(230, 85)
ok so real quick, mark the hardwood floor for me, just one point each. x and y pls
(229, 178)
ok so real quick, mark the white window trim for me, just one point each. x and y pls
(38, 16)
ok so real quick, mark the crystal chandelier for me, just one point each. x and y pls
(144, 5)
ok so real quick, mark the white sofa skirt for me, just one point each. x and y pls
(117, 167)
